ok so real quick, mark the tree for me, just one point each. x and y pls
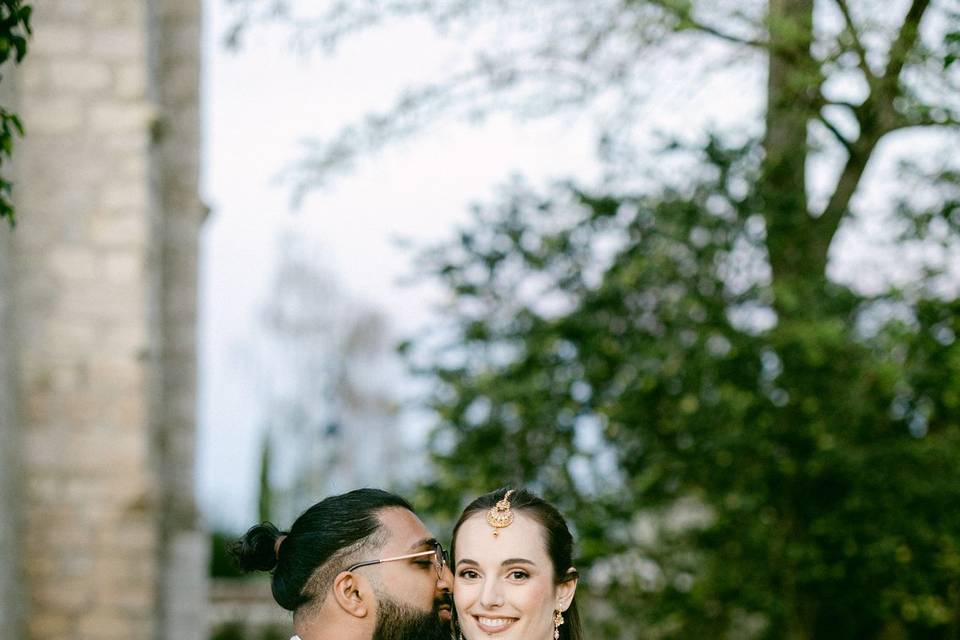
(747, 445)
(727, 478)
(14, 31)
(326, 373)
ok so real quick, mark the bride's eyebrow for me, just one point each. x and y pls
(508, 561)
(518, 561)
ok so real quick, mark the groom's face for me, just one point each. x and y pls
(413, 602)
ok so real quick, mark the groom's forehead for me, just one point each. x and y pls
(403, 530)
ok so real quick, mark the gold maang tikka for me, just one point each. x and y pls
(500, 515)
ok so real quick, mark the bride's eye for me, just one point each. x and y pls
(518, 574)
(469, 574)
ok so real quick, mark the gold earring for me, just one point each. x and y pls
(557, 621)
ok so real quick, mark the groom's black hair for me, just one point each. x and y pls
(321, 543)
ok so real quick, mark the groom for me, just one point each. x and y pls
(402, 592)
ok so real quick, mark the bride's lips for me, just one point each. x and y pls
(494, 624)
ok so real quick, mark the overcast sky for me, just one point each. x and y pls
(259, 104)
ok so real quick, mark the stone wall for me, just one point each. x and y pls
(10, 495)
(103, 268)
(174, 81)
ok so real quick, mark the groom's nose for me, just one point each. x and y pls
(445, 581)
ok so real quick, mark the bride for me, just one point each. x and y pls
(513, 570)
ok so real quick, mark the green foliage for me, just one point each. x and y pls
(729, 473)
(265, 495)
(222, 564)
(14, 32)
(232, 631)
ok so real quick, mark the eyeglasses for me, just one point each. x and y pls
(438, 553)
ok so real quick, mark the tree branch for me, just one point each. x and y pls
(853, 106)
(857, 43)
(877, 117)
(905, 41)
(687, 21)
(824, 101)
(699, 26)
(846, 142)
(860, 152)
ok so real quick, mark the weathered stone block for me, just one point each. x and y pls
(54, 116)
(104, 625)
(123, 268)
(120, 227)
(115, 12)
(119, 117)
(127, 195)
(57, 40)
(130, 81)
(63, 11)
(181, 79)
(79, 76)
(64, 594)
(73, 263)
(124, 42)
(127, 339)
(49, 625)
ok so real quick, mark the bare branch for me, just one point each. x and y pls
(698, 26)
(846, 142)
(857, 43)
(489, 85)
(905, 41)
(852, 106)
(823, 101)
(877, 117)
(833, 214)
(684, 14)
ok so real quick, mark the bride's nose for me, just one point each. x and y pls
(492, 594)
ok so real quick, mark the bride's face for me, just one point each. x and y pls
(504, 586)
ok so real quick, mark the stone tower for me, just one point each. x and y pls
(99, 536)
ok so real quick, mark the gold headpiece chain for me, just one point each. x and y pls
(500, 515)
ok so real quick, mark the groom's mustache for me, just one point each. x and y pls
(443, 606)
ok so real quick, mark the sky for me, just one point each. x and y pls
(259, 104)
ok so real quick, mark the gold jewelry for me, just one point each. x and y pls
(500, 515)
(557, 621)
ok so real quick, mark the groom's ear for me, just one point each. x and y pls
(352, 593)
(567, 589)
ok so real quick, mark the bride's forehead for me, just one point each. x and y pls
(524, 533)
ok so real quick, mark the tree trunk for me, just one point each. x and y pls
(799, 270)
(792, 89)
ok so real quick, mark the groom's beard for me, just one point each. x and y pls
(396, 621)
